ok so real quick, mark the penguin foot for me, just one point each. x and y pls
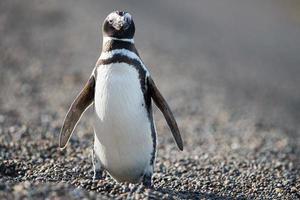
(135, 188)
(98, 170)
(147, 182)
(98, 174)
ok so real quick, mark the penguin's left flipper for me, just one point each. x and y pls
(84, 99)
(165, 109)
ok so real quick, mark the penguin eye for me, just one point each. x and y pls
(110, 21)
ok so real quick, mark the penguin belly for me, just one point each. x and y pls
(123, 141)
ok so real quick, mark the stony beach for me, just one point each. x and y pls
(240, 134)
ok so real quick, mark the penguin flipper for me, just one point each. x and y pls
(84, 99)
(165, 109)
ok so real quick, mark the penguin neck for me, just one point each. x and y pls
(108, 39)
(110, 43)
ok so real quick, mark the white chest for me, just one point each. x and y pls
(118, 89)
(123, 139)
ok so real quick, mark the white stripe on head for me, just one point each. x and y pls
(115, 16)
(119, 20)
(123, 52)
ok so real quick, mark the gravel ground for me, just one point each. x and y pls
(238, 145)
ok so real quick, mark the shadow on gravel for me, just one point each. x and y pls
(11, 169)
(190, 194)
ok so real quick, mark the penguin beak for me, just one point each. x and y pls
(120, 23)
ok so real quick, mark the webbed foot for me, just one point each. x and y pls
(147, 180)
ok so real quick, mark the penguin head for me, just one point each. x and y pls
(119, 24)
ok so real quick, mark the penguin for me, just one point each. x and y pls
(121, 91)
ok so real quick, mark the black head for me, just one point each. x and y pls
(119, 24)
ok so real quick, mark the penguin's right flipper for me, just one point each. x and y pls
(165, 109)
(79, 105)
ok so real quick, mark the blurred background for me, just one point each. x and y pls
(229, 69)
(215, 61)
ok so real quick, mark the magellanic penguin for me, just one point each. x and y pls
(122, 91)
